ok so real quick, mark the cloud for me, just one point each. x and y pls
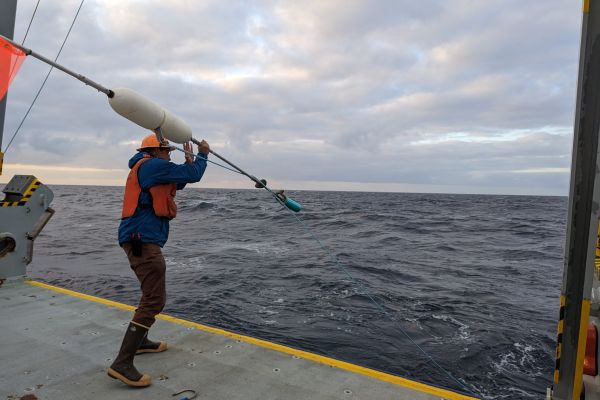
(396, 93)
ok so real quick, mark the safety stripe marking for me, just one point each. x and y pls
(586, 6)
(26, 195)
(561, 325)
(10, 203)
(583, 323)
(597, 258)
(382, 376)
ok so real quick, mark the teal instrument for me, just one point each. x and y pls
(288, 202)
(292, 205)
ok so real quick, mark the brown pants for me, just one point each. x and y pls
(150, 270)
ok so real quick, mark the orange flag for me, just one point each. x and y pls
(11, 59)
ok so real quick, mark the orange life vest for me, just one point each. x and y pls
(163, 195)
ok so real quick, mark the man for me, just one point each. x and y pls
(148, 206)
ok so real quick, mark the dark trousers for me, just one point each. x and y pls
(150, 270)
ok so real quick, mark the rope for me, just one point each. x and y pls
(379, 306)
(189, 153)
(45, 79)
(30, 21)
(356, 282)
(363, 288)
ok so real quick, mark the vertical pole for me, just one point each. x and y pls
(8, 12)
(584, 211)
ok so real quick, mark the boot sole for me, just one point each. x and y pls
(163, 346)
(143, 382)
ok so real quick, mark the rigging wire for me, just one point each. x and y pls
(25, 37)
(363, 288)
(30, 22)
(205, 158)
(45, 79)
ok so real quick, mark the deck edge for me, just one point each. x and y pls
(382, 376)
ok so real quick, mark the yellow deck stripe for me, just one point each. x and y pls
(583, 324)
(382, 376)
(586, 6)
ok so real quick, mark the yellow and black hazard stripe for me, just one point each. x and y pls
(561, 326)
(26, 196)
(597, 258)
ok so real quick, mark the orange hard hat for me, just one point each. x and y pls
(151, 142)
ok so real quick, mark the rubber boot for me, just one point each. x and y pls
(122, 368)
(148, 346)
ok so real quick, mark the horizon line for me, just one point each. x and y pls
(325, 190)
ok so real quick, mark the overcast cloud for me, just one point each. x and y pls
(433, 96)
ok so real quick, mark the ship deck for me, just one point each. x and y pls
(57, 343)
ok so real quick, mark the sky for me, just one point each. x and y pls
(445, 96)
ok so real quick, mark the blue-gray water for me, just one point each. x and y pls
(474, 280)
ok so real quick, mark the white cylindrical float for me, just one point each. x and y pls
(137, 108)
(175, 129)
(147, 114)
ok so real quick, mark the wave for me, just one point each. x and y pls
(440, 264)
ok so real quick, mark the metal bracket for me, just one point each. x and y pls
(24, 212)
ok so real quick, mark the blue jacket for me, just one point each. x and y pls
(153, 229)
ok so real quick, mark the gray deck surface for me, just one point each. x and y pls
(56, 346)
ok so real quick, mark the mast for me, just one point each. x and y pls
(584, 211)
(8, 12)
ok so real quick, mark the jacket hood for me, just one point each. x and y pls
(137, 157)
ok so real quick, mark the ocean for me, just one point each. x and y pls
(473, 280)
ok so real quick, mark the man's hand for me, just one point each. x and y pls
(188, 148)
(203, 147)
